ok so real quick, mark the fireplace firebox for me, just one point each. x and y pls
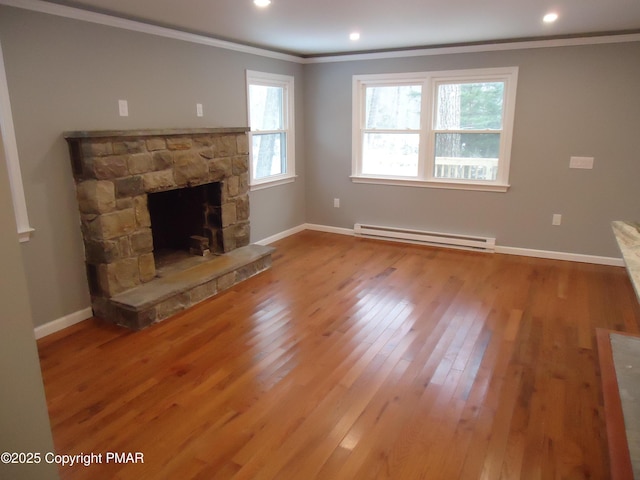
(186, 220)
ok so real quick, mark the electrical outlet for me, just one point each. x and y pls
(336, 203)
(199, 111)
(557, 219)
(123, 108)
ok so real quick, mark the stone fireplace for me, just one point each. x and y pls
(164, 218)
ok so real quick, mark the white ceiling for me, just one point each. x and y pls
(320, 27)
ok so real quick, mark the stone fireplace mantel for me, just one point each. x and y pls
(115, 172)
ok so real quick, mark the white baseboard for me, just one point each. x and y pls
(325, 228)
(281, 235)
(76, 317)
(525, 252)
(570, 257)
(63, 322)
(301, 228)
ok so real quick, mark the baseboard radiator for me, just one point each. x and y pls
(465, 242)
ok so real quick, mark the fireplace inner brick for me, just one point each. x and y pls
(178, 215)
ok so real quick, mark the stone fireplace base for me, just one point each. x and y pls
(182, 286)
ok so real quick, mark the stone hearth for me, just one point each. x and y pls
(116, 172)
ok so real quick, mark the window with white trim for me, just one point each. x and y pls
(271, 136)
(435, 129)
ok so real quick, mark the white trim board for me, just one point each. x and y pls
(62, 323)
(125, 24)
(523, 252)
(328, 229)
(7, 131)
(303, 227)
(484, 47)
(566, 256)
(79, 316)
(112, 21)
(281, 235)
(505, 250)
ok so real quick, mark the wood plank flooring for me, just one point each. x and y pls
(353, 359)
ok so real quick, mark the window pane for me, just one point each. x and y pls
(390, 154)
(266, 107)
(470, 106)
(469, 156)
(395, 107)
(268, 154)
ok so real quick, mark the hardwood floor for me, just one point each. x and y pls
(353, 359)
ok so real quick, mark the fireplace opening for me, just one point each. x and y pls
(186, 222)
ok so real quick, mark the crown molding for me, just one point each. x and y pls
(136, 26)
(477, 48)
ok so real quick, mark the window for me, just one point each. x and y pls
(271, 139)
(391, 134)
(440, 129)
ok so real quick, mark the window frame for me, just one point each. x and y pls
(426, 152)
(286, 82)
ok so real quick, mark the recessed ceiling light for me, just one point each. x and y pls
(262, 3)
(354, 36)
(550, 17)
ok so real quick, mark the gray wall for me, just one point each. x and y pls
(580, 101)
(65, 74)
(24, 423)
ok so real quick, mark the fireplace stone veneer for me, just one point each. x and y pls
(114, 171)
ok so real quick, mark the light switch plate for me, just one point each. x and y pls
(581, 162)
(123, 108)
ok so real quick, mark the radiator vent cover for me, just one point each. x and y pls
(436, 239)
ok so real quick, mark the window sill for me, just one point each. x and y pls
(25, 235)
(406, 182)
(273, 183)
